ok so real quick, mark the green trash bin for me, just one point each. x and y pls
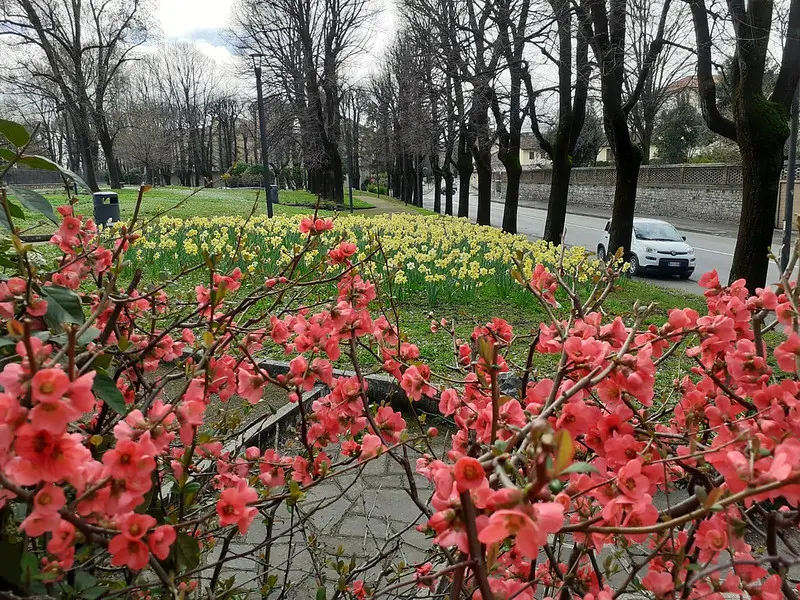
(106, 208)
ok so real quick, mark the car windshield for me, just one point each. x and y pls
(655, 231)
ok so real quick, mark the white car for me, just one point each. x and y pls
(656, 247)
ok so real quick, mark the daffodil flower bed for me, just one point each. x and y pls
(445, 258)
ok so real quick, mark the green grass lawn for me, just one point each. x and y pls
(416, 306)
(175, 202)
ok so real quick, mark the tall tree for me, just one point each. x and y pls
(759, 125)
(512, 24)
(85, 45)
(304, 47)
(669, 67)
(604, 25)
(571, 113)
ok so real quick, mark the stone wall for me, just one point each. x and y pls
(703, 203)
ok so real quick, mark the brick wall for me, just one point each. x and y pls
(700, 203)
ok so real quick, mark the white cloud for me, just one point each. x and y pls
(180, 17)
(221, 54)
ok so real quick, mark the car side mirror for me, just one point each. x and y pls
(684, 237)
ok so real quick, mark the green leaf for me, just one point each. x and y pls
(88, 336)
(93, 592)
(15, 210)
(84, 580)
(29, 568)
(7, 154)
(35, 202)
(14, 133)
(38, 162)
(579, 467)
(12, 550)
(63, 306)
(3, 220)
(187, 551)
(107, 390)
(321, 593)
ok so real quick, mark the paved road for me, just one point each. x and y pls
(713, 251)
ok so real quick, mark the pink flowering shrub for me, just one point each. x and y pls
(102, 473)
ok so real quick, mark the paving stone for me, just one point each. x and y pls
(395, 504)
(662, 500)
(325, 513)
(377, 466)
(358, 546)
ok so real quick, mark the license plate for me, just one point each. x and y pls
(674, 263)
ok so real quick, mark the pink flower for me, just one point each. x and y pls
(49, 500)
(232, 506)
(469, 474)
(62, 539)
(658, 582)
(37, 523)
(44, 456)
(49, 385)
(131, 553)
(80, 392)
(37, 307)
(390, 423)
(161, 540)
(70, 227)
(709, 280)
(370, 447)
(787, 352)
(711, 539)
(251, 385)
(17, 285)
(631, 481)
(413, 383)
(449, 402)
(134, 526)
(128, 460)
(53, 416)
(531, 533)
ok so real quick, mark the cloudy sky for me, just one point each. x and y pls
(200, 21)
(203, 21)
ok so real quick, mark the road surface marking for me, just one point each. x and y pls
(713, 251)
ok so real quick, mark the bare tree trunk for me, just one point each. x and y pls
(483, 163)
(509, 156)
(624, 202)
(438, 176)
(84, 138)
(557, 201)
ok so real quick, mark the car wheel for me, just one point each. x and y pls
(685, 275)
(634, 262)
(601, 253)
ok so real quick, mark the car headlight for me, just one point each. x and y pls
(648, 249)
(691, 250)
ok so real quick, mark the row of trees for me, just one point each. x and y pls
(469, 71)
(107, 97)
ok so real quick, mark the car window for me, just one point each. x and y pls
(655, 231)
(608, 226)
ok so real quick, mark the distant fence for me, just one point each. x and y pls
(33, 177)
(704, 175)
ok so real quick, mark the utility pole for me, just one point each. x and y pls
(350, 154)
(786, 248)
(262, 131)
